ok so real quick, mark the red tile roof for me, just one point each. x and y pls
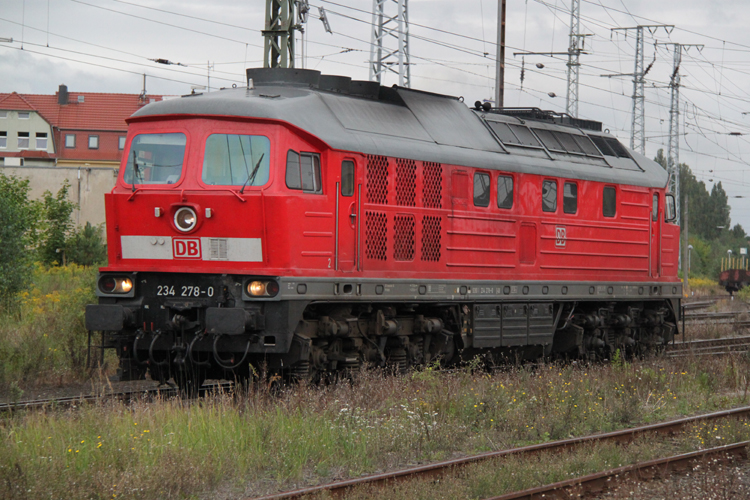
(15, 102)
(26, 154)
(95, 112)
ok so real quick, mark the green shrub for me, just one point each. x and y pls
(86, 246)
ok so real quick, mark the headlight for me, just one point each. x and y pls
(256, 288)
(262, 288)
(115, 284)
(185, 219)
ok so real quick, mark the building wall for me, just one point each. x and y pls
(12, 125)
(87, 186)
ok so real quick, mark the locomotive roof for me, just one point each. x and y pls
(404, 123)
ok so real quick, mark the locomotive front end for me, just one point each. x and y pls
(189, 292)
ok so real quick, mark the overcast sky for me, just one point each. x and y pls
(105, 46)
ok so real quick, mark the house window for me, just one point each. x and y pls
(23, 140)
(93, 142)
(41, 141)
(481, 190)
(549, 196)
(570, 198)
(303, 172)
(23, 115)
(609, 202)
(3, 140)
(505, 191)
(3, 114)
(121, 142)
(70, 141)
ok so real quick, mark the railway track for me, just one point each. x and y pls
(702, 304)
(72, 401)
(709, 347)
(652, 469)
(704, 316)
(441, 469)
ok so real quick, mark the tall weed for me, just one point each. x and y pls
(43, 338)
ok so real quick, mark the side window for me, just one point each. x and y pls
(70, 141)
(655, 208)
(505, 191)
(549, 196)
(292, 170)
(570, 198)
(481, 190)
(303, 172)
(609, 202)
(347, 178)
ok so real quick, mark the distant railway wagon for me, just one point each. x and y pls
(734, 280)
(307, 224)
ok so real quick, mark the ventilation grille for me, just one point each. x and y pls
(432, 189)
(218, 249)
(376, 240)
(377, 179)
(406, 182)
(431, 227)
(404, 236)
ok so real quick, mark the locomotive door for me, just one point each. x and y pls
(347, 213)
(655, 238)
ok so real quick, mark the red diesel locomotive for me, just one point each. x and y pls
(307, 224)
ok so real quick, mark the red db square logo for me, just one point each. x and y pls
(186, 248)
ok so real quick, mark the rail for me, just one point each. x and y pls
(450, 466)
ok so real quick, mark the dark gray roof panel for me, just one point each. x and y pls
(375, 117)
(464, 130)
(413, 125)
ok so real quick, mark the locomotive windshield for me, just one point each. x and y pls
(236, 160)
(155, 159)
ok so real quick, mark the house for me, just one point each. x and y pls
(65, 129)
(78, 136)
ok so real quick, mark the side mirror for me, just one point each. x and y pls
(671, 211)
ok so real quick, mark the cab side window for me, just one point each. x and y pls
(504, 191)
(481, 190)
(570, 198)
(303, 172)
(549, 196)
(609, 202)
(347, 178)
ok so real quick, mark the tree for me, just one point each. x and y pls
(57, 210)
(18, 223)
(86, 246)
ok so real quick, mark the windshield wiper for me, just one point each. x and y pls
(136, 170)
(251, 178)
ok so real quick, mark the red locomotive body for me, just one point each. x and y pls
(310, 224)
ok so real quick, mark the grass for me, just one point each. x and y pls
(42, 335)
(262, 442)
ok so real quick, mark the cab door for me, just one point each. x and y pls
(655, 241)
(347, 214)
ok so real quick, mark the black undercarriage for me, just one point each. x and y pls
(217, 333)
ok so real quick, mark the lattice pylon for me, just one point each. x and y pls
(389, 48)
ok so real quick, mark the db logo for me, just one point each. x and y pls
(186, 248)
(560, 236)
